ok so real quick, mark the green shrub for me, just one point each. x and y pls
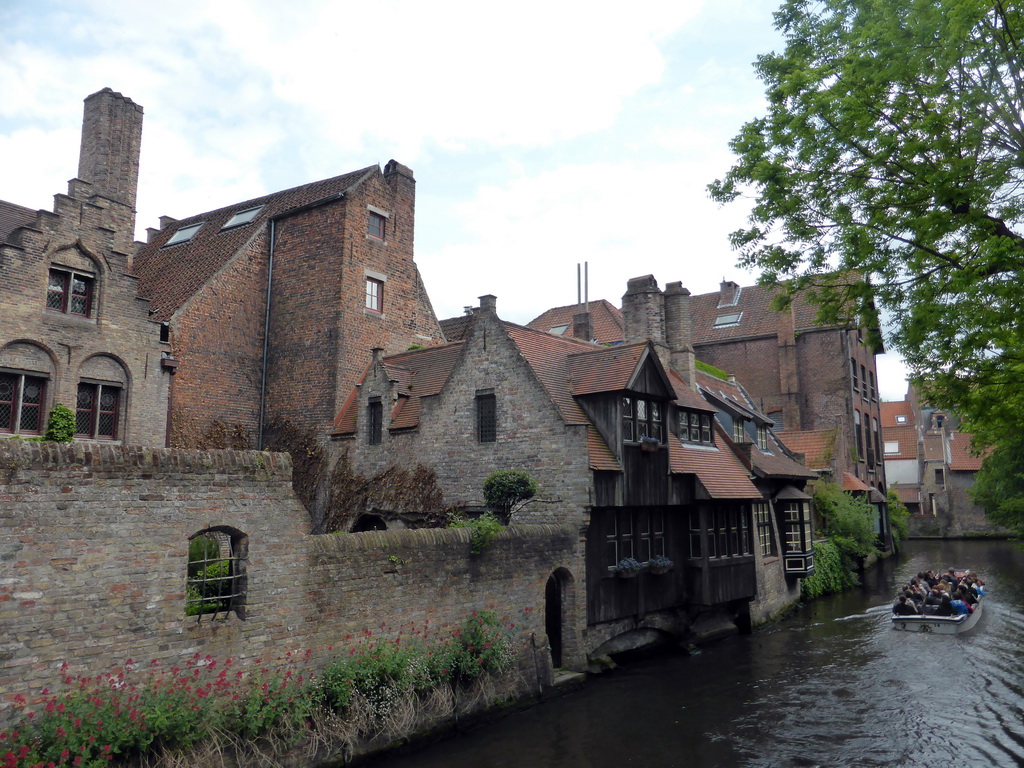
(505, 488)
(898, 518)
(485, 529)
(830, 573)
(849, 522)
(60, 425)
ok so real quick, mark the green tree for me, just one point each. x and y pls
(999, 486)
(849, 523)
(898, 516)
(892, 150)
(506, 488)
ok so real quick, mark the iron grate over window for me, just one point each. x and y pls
(216, 574)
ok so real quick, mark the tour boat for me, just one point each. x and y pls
(940, 625)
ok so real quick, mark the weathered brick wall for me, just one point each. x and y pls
(321, 332)
(94, 549)
(218, 336)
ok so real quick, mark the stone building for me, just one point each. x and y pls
(74, 328)
(269, 303)
(618, 439)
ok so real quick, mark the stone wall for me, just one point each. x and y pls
(94, 552)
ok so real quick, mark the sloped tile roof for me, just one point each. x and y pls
(605, 369)
(758, 318)
(731, 394)
(906, 440)
(600, 455)
(605, 320)
(13, 216)
(418, 373)
(717, 469)
(908, 494)
(168, 277)
(854, 484)
(960, 457)
(455, 328)
(817, 445)
(548, 356)
(686, 397)
(891, 409)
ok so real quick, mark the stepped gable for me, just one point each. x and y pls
(12, 217)
(169, 276)
(605, 321)
(418, 373)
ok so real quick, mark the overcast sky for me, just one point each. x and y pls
(542, 134)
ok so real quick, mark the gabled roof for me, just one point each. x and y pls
(717, 469)
(906, 442)
(890, 411)
(609, 369)
(600, 455)
(419, 373)
(854, 484)
(960, 457)
(731, 396)
(169, 276)
(13, 216)
(817, 445)
(686, 397)
(605, 321)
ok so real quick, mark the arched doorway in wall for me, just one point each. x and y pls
(556, 613)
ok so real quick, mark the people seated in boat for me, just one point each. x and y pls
(945, 608)
(932, 601)
(968, 595)
(960, 608)
(904, 606)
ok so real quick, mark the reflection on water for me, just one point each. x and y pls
(833, 686)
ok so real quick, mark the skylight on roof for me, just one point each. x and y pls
(901, 419)
(184, 234)
(558, 330)
(242, 217)
(723, 321)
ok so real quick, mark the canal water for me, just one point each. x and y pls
(833, 686)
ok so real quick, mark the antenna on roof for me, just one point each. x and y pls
(583, 288)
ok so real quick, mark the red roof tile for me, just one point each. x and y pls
(905, 439)
(686, 397)
(933, 449)
(13, 216)
(717, 469)
(606, 369)
(890, 410)
(455, 328)
(168, 277)
(853, 484)
(817, 445)
(960, 457)
(601, 456)
(605, 321)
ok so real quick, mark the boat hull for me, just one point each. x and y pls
(939, 625)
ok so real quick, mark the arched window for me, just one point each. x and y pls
(216, 573)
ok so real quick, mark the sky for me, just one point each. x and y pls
(543, 135)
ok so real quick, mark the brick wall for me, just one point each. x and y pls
(94, 549)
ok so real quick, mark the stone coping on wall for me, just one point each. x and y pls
(330, 543)
(137, 459)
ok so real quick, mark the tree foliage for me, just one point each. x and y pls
(849, 522)
(999, 486)
(505, 488)
(898, 518)
(893, 150)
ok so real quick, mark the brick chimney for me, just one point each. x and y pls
(111, 141)
(489, 303)
(643, 311)
(729, 293)
(582, 327)
(679, 332)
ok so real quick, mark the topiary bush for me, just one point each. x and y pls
(505, 488)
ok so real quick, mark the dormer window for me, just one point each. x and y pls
(640, 418)
(739, 430)
(726, 321)
(70, 292)
(184, 234)
(762, 438)
(694, 427)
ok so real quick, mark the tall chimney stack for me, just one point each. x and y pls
(111, 142)
(679, 332)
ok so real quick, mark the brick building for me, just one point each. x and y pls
(805, 375)
(74, 328)
(618, 439)
(269, 303)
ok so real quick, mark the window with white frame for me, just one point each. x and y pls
(695, 427)
(763, 521)
(641, 418)
(374, 294)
